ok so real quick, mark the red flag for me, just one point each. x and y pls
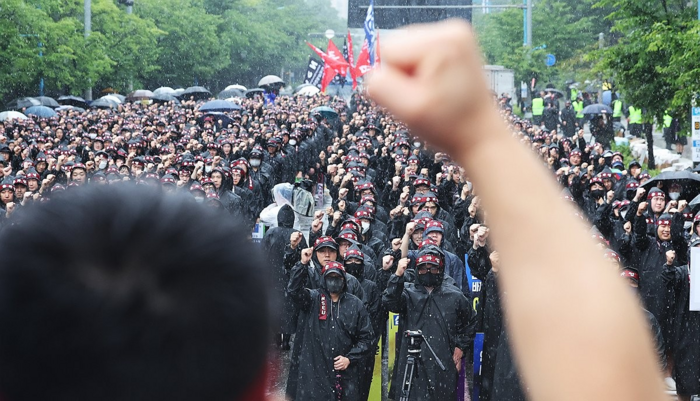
(336, 63)
(339, 64)
(328, 74)
(351, 61)
(363, 66)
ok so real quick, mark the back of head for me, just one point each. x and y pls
(116, 293)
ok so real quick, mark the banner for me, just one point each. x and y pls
(370, 32)
(694, 279)
(314, 72)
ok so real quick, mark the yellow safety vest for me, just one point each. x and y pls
(635, 115)
(667, 121)
(573, 93)
(537, 106)
(578, 106)
(617, 109)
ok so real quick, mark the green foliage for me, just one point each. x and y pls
(568, 28)
(655, 62)
(174, 43)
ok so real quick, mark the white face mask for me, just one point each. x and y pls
(416, 144)
(687, 225)
(674, 195)
(207, 169)
(92, 136)
(103, 165)
(365, 227)
(293, 142)
(255, 162)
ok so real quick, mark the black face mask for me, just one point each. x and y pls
(356, 269)
(335, 285)
(429, 279)
(597, 193)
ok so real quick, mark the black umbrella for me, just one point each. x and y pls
(22, 103)
(219, 105)
(225, 94)
(597, 108)
(73, 101)
(250, 93)
(164, 98)
(196, 92)
(690, 182)
(103, 104)
(47, 101)
(555, 92)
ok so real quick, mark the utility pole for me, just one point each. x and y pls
(527, 22)
(129, 10)
(601, 44)
(88, 27)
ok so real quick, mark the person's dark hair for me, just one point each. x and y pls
(121, 293)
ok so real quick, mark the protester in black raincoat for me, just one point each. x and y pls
(274, 244)
(446, 319)
(337, 335)
(355, 265)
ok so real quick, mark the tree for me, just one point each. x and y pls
(655, 61)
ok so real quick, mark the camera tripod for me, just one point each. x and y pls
(415, 339)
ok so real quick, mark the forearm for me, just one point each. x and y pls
(523, 237)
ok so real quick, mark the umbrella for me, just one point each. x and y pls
(70, 108)
(47, 101)
(302, 86)
(196, 92)
(10, 115)
(556, 92)
(41, 111)
(140, 94)
(104, 103)
(237, 86)
(250, 93)
(73, 101)
(178, 92)
(113, 98)
(597, 108)
(689, 181)
(228, 93)
(326, 112)
(219, 105)
(22, 103)
(121, 98)
(164, 98)
(270, 80)
(308, 91)
(164, 89)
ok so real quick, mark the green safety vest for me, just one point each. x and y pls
(574, 93)
(617, 109)
(667, 121)
(635, 115)
(578, 106)
(537, 106)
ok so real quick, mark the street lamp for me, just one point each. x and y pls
(329, 34)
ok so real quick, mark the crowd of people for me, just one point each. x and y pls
(394, 237)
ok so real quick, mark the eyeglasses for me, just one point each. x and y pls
(422, 269)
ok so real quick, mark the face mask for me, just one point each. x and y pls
(255, 162)
(103, 165)
(293, 142)
(597, 193)
(416, 144)
(365, 227)
(207, 169)
(92, 136)
(674, 195)
(429, 279)
(356, 269)
(334, 285)
(687, 225)
(199, 199)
